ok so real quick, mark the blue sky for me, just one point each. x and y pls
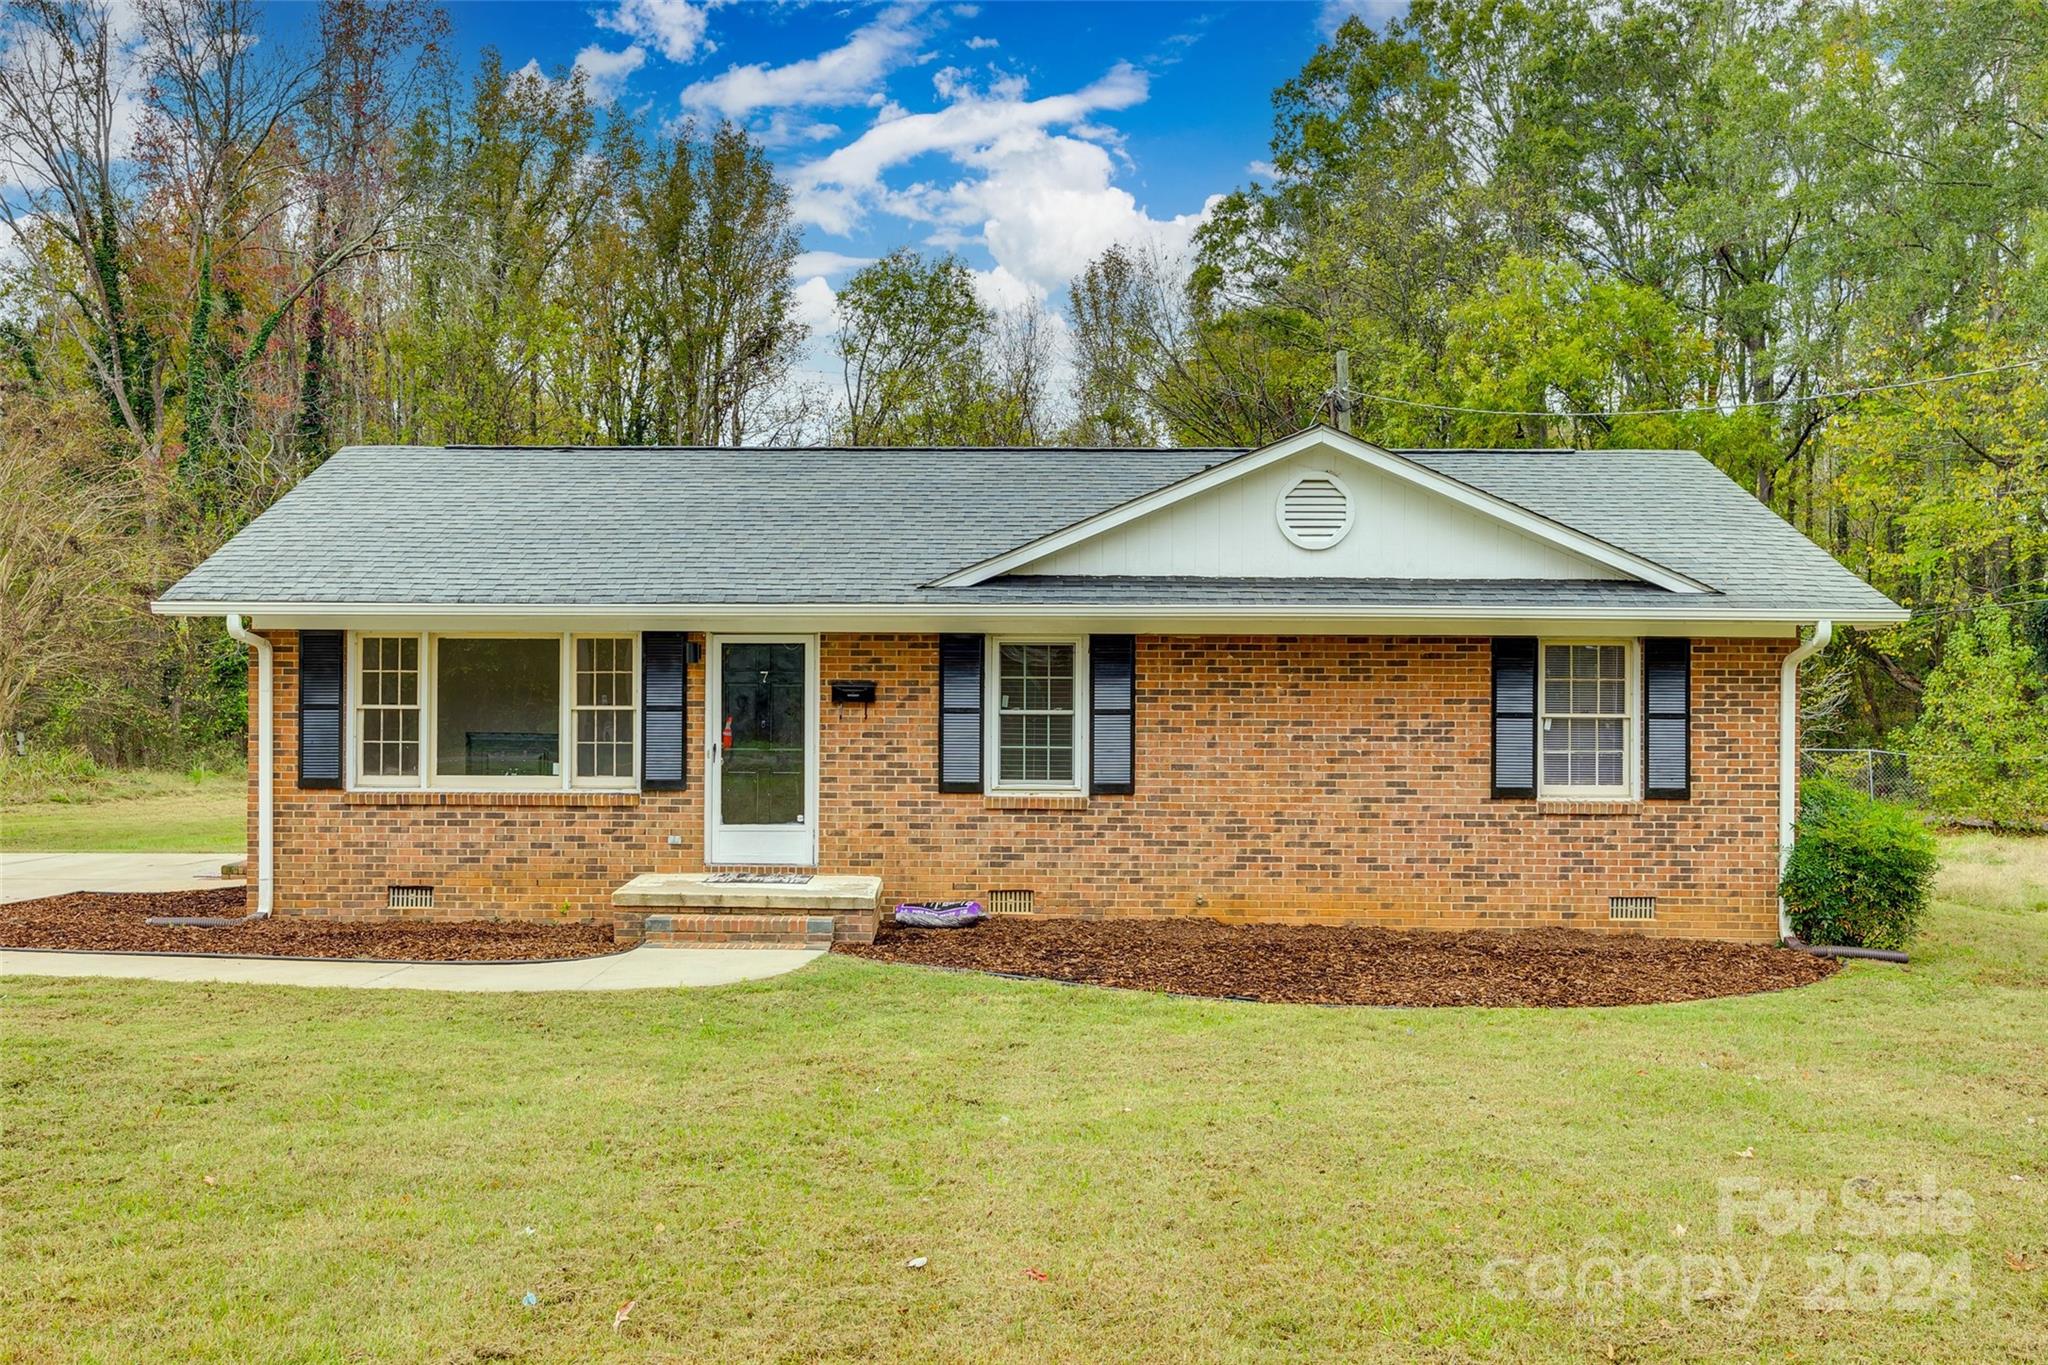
(1025, 136)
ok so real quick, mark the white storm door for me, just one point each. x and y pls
(761, 732)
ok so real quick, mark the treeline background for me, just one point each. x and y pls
(1522, 221)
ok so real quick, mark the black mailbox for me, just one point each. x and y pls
(844, 691)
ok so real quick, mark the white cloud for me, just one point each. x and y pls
(784, 129)
(820, 264)
(817, 307)
(1000, 291)
(604, 73)
(1374, 12)
(674, 27)
(979, 44)
(972, 125)
(847, 74)
(1264, 170)
(1043, 202)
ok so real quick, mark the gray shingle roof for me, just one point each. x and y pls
(463, 526)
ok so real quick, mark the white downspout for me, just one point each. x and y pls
(1788, 750)
(266, 763)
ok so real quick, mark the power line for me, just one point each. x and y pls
(1855, 392)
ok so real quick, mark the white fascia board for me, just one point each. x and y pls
(1465, 495)
(1177, 619)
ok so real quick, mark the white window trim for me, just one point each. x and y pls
(429, 778)
(992, 717)
(1631, 726)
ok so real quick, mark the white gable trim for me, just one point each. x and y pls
(1465, 495)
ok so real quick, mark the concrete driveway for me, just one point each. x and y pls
(30, 876)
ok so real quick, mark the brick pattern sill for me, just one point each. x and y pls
(1621, 810)
(1033, 801)
(557, 800)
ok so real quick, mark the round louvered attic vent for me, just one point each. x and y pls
(1315, 511)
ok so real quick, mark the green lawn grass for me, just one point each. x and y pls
(250, 1173)
(128, 812)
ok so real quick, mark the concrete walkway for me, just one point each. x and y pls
(642, 968)
(31, 876)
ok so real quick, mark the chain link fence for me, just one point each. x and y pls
(1882, 773)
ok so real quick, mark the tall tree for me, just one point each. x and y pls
(715, 244)
(910, 345)
(1112, 320)
(70, 81)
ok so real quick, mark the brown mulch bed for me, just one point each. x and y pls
(109, 922)
(1319, 965)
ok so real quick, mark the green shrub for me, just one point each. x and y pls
(1860, 869)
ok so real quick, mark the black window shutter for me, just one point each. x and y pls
(1514, 716)
(664, 701)
(960, 713)
(1112, 696)
(1667, 719)
(321, 659)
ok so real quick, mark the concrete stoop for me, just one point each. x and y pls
(686, 909)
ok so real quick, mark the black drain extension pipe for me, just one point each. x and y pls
(203, 921)
(1860, 954)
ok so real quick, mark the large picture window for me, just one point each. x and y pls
(1036, 724)
(1587, 721)
(497, 707)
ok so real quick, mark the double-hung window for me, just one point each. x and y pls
(604, 710)
(1587, 721)
(388, 710)
(1037, 729)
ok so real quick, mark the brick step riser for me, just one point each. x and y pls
(739, 931)
(752, 927)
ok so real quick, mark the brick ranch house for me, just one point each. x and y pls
(1316, 681)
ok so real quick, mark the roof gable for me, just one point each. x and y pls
(1404, 520)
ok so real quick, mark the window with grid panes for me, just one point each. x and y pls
(604, 707)
(1035, 698)
(388, 708)
(1587, 708)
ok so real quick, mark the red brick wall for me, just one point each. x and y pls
(1331, 779)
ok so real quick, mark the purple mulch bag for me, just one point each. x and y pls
(941, 914)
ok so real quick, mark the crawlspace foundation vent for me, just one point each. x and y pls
(1009, 902)
(411, 898)
(1631, 907)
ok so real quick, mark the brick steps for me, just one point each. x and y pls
(688, 910)
(706, 930)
